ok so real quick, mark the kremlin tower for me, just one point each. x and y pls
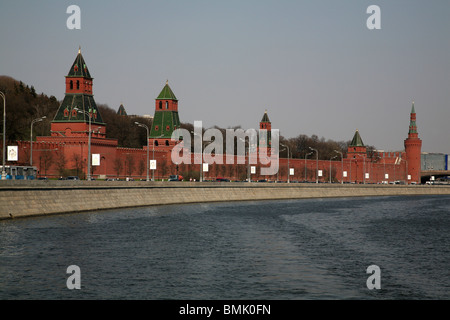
(356, 147)
(413, 147)
(265, 127)
(72, 117)
(165, 120)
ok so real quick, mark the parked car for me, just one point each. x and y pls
(175, 177)
(222, 179)
(73, 178)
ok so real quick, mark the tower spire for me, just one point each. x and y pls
(265, 140)
(357, 140)
(412, 121)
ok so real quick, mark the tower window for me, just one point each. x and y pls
(167, 142)
(156, 142)
(78, 84)
(167, 104)
(71, 85)
(160, 104)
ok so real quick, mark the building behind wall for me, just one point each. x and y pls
(434, 161)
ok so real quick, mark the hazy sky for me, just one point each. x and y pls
(314, 65)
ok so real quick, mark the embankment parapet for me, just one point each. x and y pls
(34, 198)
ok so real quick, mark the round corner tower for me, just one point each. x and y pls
(413, 149)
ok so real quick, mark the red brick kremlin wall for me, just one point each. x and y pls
(115, 162)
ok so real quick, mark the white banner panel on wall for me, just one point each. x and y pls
(13, 154)
(152, 164)
(96, 159)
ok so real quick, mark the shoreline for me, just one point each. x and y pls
(21, 199)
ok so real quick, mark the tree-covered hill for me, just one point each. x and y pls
(24, 104)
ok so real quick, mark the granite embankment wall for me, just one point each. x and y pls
(34, 198)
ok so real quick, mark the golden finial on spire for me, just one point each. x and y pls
(167, 81)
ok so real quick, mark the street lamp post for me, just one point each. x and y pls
(153, 147)
(406, 171)
(289, 169)
(89, 141)
(317, 164)
(342, 166)
(376, 161)
(248, 160)
(4, 135)
(31, 138)
(148, 147)
(350, 171)
(306, 155)
(201, 162)
(330, 166)
(364, 168)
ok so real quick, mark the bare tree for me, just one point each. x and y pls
(45, 160)
(141, 167)
(129, 164)
(118, 166)
(61, 162)
(78, 163)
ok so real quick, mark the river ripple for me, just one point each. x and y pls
(296, 249)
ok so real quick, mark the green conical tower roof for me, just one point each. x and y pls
(166, 93)
(79, 67)
(265, 117)
(357, 141)
(121, 110)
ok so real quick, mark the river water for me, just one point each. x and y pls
(294, 249)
